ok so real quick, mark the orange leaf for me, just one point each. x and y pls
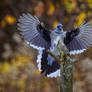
(10, 19)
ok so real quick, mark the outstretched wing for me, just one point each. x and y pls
(79, 39)
(33, 31)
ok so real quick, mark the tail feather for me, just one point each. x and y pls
(49, 69)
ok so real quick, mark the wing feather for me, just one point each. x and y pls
(80, 38)
(33, 31)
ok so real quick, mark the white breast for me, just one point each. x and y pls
(55, 38)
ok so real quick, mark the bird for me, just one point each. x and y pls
(42, 39)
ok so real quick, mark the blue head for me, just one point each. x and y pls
(59, 29)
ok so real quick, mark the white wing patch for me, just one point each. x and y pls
(35, 47)
(40, 51)
(77, 51)
(54, 74)
(39, 59)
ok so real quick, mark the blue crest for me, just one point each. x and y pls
(59, 25)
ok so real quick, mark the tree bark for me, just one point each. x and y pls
(66, 63)
(66, 75)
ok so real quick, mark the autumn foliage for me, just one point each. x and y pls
(18, 68)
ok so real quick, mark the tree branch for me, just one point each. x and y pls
(55, 57)
(66, 67)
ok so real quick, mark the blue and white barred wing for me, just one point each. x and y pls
(33, 31)
(79, 39)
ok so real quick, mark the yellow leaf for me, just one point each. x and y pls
(23, 58)
(80, 19)
(89, 13)
(55, 24)
(21, 61)
(51, 9)
(3, 23)
(21, 83)
(6, 68)
(89, 3)
(70, 5)
(10, 19)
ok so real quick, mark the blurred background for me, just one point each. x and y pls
(18, 68)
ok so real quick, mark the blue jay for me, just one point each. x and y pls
(37, 36)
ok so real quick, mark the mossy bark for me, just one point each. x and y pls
(66, 76)
(66, 63)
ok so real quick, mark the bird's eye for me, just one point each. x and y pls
(59, 27)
